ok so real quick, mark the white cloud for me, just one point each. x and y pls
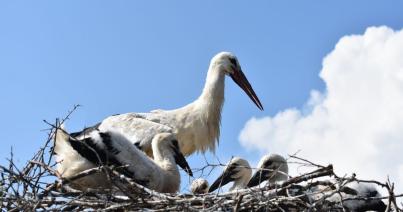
(357, 122)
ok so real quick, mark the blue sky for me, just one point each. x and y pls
(132, 56)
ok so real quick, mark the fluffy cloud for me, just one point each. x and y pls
(357, 122)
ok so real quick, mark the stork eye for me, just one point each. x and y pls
(175, 143)
(137, 144)
(233, 61)
(268, 163)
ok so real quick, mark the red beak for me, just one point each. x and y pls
(240, 79)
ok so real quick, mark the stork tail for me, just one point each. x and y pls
(60, 138)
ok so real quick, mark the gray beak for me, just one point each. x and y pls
(180, 159)
(258, 177)
(225, 177)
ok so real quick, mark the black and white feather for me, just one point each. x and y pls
(92, 147)
(354, 196)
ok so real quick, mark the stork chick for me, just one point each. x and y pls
(272, 168)
(199, 186)
(238, 171)
(91, 148)
(354, 196)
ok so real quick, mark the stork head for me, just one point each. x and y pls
(228, 63)
(199, 186)
(166, 145)
(272, 167)
(237, 170)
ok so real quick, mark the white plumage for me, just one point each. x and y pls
(354, 196)
(272, 168)
(90, 148)
(199, 186)
(196, 125)
(237, 170)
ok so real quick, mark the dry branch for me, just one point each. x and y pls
(38, 186)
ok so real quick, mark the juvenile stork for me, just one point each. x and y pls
(196, 125)
(199, 186)
(238, 171)
(271, 167)
(77, 152)
(363, 190)
(353, 196)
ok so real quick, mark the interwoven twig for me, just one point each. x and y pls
(38, 186)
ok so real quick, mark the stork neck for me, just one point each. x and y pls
(213, 91)
(164, 159)
(238, 185)
(160, 154)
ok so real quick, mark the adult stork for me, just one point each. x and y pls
(196, 125)
(77, 152)
(272, 168)
(237, 170)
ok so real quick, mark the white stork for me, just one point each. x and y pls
(353, 196)
(363, 190)
(196, 125)
(271, 167)
(199, 186)
(237, 170)
(77, 152)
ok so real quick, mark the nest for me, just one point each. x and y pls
(37, 186)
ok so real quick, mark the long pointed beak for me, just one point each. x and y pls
(240, 79)
(222, 180)
(257, 178)
(181, 161)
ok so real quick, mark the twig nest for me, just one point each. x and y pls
(199, 186)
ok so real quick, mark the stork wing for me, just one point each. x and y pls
(113, 149)
(139, 128)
